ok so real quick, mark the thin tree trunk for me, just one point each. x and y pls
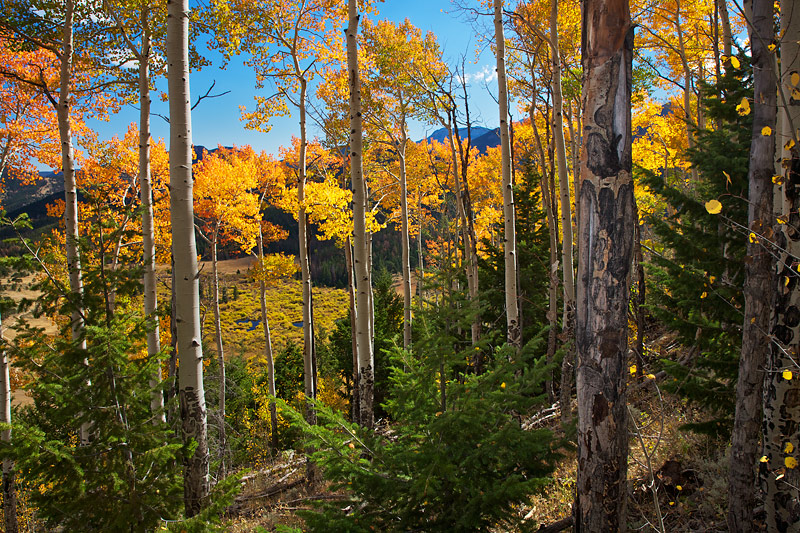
(148, 237)
(187, 311)
(366, 379)
(514, 335)
(223, 445)
(759, 286)
(351, 291)
(552, 308)
(420, 257)
(606, 246)
(309, 351)
(567, 269)
(70, 190)
(781, 395)
(727, 36)
(262, 293)
(404, 233)
(9, 476)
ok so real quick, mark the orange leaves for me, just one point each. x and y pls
(226, 197)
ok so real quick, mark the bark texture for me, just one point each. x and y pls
(184, 250)
(759, 285)
(606, 246)
(567, 269)
(262, 297)
(361, 260)
(148, 237)
(309, 349)
(781, 395)
(514, 334)
(9, 476)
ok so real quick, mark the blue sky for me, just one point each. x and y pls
(216, 121)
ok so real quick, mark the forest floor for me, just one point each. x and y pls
(687, 470)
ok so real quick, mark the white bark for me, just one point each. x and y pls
(567, 269)
(148, 237)
(404, 231)
(262, 293)
(9, 478)
(184, 249)
(366, 380)
(223, 445)
(309, 350)
(510, 239)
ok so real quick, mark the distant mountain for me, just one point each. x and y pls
(16, 195)
(482, 138)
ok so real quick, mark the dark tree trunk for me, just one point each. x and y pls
(758, 285)
(607, 221)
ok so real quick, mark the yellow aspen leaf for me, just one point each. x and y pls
(795, 78)
(711, 279)
(771, 48)
(735, 62)
(789, 145)
(503, 385)
(753, 320)
(704, 295)
(744, 107)
(671, 504)
(790, 462)
(714, 207)
(678, 487)
(753, 237)
(786, 281)
(650, 376)
(727, 177)
(763, 459)
(777, 180)
(789, 448)
(787, 374)
(796, 94)
(632, 369)
(766, 131)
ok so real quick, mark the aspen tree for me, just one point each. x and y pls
(187, 310)
(759, 287)
(781, 379)
(364, 340)
(606, 246)
(514, 334)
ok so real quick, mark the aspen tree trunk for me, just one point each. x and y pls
(514, 335)
(220, 350)
(781, 395)
(351, 291)
(148, 237)
(759, 286)
(421, 271)
(184, 249)
(606, 246)
(404, 232)
(366, 379)
(464, 208)
(70, 188)
(309, 350)
(567, 269)
(262, 293)
(552, 308)
(9, 476)
(727, 38)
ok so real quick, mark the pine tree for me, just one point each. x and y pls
(696, 272)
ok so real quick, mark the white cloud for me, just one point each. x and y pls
(487, 74)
